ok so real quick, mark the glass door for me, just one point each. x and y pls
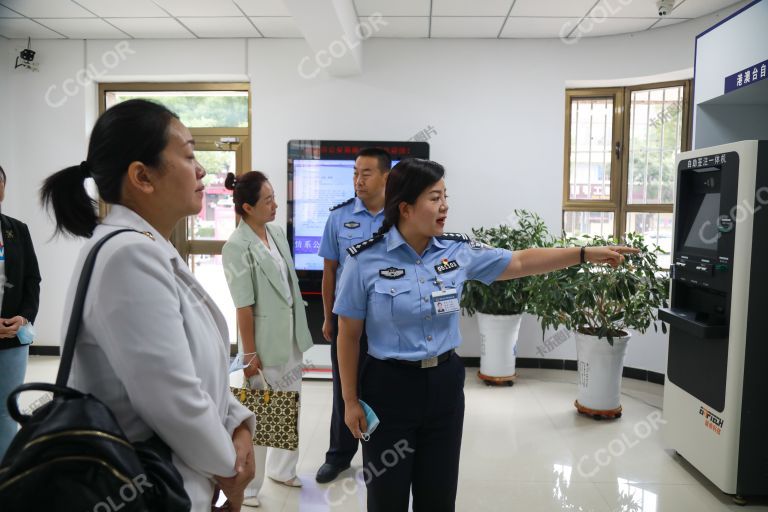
(200, 238)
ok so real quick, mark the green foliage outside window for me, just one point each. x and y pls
(202, 111)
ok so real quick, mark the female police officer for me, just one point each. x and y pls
(406, 283)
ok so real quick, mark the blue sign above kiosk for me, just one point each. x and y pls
(746, 77)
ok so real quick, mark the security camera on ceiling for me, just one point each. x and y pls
(665, 7)
(26, 58)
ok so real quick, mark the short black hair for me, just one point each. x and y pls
(3, 173)
(382, 156)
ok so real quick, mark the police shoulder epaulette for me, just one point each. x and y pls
(366, 244)
(456, 237)
(345, 203)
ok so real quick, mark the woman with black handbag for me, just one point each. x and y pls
(152, 345)
(20, 297)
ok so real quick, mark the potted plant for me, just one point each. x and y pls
(500, 306)
(600, 304)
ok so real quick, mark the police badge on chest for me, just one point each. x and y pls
(392, 273)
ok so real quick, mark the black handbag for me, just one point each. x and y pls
(72, 455)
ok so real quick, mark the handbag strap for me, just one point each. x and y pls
(267, 386)
(76, 318)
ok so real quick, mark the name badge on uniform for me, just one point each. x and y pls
(352, 224)
(446, 266)
(445, 302)
(392, 273)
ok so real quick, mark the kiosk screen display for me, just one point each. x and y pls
(703, 233)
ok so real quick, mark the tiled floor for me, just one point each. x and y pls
(524, 449)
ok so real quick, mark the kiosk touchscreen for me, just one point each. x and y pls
(717, 366)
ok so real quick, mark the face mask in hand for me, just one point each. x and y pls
(26, 334)
(370, 419)
(238, 362)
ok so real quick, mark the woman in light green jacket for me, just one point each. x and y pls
(270, 311)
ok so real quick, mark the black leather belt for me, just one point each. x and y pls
(425, 363)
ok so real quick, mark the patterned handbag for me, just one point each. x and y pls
(277, 414)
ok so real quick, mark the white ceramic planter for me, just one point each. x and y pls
(600, 369)
(498, 344)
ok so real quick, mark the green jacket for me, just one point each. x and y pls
(254, 279)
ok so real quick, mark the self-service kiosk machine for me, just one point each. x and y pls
(716, 391)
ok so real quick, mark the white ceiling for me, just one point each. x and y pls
(142, 19)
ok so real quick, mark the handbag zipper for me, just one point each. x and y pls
(117, 474)
(64, 433)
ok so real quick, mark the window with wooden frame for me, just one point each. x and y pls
(619, 164)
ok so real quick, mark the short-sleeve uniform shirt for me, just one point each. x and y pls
(389, 285)
(348, 224)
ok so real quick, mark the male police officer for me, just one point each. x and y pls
(349, 223)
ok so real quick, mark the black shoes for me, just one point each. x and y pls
(328, 473)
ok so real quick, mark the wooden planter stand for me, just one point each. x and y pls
(610, 414)
(497, 381)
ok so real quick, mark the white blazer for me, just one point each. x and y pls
(154, 347)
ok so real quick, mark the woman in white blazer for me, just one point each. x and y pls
(153, 346)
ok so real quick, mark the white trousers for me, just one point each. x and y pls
(279, 464)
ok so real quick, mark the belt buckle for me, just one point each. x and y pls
(429, 363)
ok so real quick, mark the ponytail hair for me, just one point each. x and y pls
(131, 131)
(245, 189)
(74, 209)
(385, 226)
(407, 180)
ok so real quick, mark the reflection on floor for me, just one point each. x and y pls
(524, 449)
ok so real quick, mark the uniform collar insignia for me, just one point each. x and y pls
(392, 273)
(8, 234)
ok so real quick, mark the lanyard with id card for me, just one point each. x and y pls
(445, 301)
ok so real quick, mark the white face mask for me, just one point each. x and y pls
(26, 334)
(238, 362)
(371, 420)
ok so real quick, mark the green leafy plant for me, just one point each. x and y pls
(506, 297)
(599, 300)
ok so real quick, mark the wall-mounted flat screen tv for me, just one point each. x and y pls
(319, 177)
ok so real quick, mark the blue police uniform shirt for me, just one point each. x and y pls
(347, 225)
(390, 286)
